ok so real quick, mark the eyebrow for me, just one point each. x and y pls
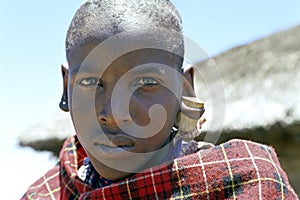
(144, 70)
(85, 70)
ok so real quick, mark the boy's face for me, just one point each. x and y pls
(123, 112)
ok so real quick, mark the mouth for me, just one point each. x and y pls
(115, 145)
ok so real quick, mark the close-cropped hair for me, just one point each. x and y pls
(101, 19)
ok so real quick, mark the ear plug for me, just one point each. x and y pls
(188, 118)
(64, 105)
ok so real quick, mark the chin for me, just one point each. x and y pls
(112, 173)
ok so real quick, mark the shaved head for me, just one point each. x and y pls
(97, 20)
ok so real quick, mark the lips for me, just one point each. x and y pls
(122, 141)
(111, 145)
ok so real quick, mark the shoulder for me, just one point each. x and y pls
(40, 188)
(244, 153)
(243, 169)
(237, 168)
(52, 185)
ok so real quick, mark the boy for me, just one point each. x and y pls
(125, 91)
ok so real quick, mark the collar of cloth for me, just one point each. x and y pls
(90, 176)
(237, 169)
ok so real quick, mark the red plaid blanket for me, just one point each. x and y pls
(237, 169)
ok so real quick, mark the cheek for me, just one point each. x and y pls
(140, 105)
(82, 115)
(159, 139)
(139, 110)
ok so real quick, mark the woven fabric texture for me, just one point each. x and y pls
(237, 169)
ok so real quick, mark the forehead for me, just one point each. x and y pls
(137, 45)
(92, 57)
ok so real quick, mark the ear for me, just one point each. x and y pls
(188, 82)
(64, 105)
(188, 92)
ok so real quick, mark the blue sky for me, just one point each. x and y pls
(32, 45)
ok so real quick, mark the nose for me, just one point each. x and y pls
(108, 119)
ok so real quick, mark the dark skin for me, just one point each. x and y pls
(125, 147)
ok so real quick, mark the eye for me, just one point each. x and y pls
(147, 82)
(90, 81)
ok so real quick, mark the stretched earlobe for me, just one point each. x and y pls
(188, 121)
(192, 107)
(64, 105)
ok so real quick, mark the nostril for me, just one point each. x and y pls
(102, 119)
(109, 120)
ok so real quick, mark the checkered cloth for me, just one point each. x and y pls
(237, 169)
